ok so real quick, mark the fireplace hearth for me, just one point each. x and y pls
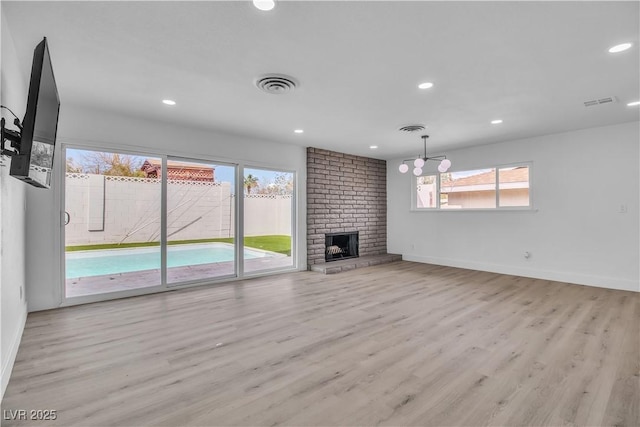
(341, 246)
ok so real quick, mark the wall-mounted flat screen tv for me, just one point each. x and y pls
(35, 162)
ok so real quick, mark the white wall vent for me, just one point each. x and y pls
(412, 128)
(276, 84)
(601, 101)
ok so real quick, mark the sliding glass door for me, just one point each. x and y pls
(112, 223)
(200, 221)
(136, 221)
(268, 219)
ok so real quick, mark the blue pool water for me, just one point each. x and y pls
(112, 261)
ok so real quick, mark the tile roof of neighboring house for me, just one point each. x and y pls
(520, 174)
(180, 171)
(171, 164)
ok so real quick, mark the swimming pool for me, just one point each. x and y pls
(113, 261)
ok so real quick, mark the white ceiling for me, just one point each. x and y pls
(532, 64)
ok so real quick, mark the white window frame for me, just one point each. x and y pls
(59, 194)
(414, 192)
(498, 208)
(294, 221)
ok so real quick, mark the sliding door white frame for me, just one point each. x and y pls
(239, 218)
(294, 222)
(237, 257)
(163, 224)
(66, 301)
(163, 286)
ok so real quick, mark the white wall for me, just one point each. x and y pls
(576, 234)
(267, 215)
(13, 310)
(101, 129)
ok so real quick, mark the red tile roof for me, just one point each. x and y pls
(172, 164)
(519, 174)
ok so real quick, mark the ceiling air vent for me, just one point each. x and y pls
(412, 128)
(276, 84)
(601, 101)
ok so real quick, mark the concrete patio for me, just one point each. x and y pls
(91, 285)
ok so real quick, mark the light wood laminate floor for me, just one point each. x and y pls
(396, 344)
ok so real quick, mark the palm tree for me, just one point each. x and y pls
(250, 182)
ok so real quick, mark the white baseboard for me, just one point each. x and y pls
(557, 276)
(7, 365)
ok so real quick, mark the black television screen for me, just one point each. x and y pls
(35, 161)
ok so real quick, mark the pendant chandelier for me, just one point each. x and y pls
(418, 163)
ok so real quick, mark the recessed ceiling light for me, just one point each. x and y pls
(265, 5)
(425, 85)
(496, 122)
(633, 104)
(299, 131)
(168, 102)
(620, 47)
(373, 147)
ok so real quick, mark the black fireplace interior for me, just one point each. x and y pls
(341, 246)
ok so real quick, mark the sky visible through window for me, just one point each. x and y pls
(224, 173)
(464, 174)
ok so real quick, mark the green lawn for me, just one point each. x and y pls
(280, 244)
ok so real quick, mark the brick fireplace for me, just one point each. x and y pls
(339, 246)
(345, 194)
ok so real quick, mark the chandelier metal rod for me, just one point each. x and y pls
(424, 157)
(442, 157)
(419, 162)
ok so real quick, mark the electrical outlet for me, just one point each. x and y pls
(623, 209)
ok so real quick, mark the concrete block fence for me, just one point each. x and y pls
(105, 209)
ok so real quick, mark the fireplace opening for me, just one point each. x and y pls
(340, 246)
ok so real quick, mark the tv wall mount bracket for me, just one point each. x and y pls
(11, 136)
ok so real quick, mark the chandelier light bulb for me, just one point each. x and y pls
(419, 163)
(264, 5)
